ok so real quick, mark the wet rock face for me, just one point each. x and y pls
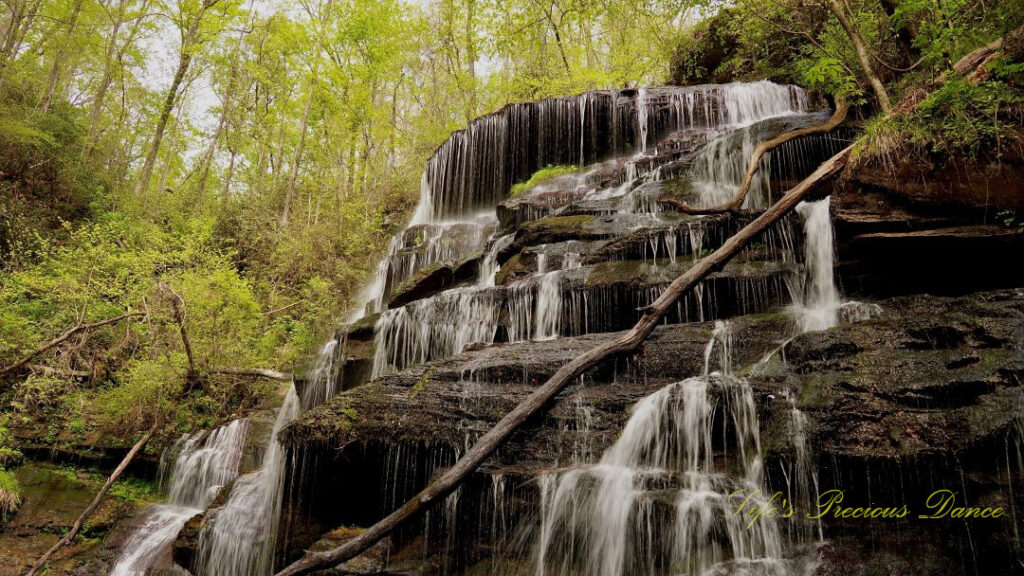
(945, 215)
(54, 497)
(925, 397)
(928, 397)
(896, 406)
(371, 448)
(932, 375)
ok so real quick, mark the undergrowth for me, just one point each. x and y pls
(958, 119)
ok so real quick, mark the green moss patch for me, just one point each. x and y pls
(540, 176)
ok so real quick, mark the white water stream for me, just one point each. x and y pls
(608, 519)
(239, 538)
(194, 469)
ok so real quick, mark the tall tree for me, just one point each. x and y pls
(189, 21)
(61, 55)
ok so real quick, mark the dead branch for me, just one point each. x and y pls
(971, 62)
(41, 562)
(63, 337)
(283, 308)
(754, 164)
(536, 401)
(255, 372)
(177, 305)
(51, 371)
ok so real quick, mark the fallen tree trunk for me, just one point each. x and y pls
(63, 337)
(974, 66)
(255, 372)
(50, 371)
(41, 562)
(754, 164)
(566, 374)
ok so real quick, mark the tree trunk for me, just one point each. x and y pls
(863, 54)
(471, 59)
(63, 337)
(536, 401)
(113, 54)
(754, 165)
(289, 194)
(905, 34)
(7, 49)
(254, 372)
(41, 562)
(184, 61)
(59, 57)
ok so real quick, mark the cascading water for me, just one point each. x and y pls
(657, 501)
(548, 311)
(663, 499)
(817, 301)
(239, 537)
(474, 169)
(203, 463)
(817, 304)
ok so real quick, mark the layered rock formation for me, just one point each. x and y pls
(911, 393)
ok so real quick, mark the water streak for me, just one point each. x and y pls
(611, 519)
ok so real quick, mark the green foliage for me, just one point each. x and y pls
(543, 175)
(135, 490)
(10, 494)
(829, 75)
(946, 31)
(1010, 220)
(10, 490)
(9, 457)
(957, 119)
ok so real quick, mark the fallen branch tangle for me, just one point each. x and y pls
(628, 342)
(736, 204)
(63, 337)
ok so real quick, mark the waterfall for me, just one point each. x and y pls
(658, 500)
(435, 327)
(548, 311)
(321, 380)
(475, 168)
(203, 463)
(489, 267)
(642, 114)
(613, 518)
(817, 302)
(240, 537)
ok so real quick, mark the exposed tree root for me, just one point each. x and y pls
(536, 401)
(736, 204)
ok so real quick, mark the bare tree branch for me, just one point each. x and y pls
(41, 562)
(177, 306)
(63, 337)
(256, 372)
